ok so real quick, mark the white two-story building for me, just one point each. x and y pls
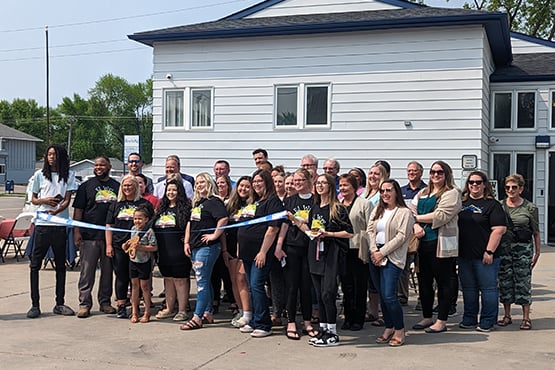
(358, 81)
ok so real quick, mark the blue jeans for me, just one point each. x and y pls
(479, 279)
(203, 259)
(386, 279)
(256, 277)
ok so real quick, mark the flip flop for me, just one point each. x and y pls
(310, 332)
(435, 331)
(292, 334)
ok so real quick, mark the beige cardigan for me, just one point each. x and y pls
(397, 231)
(359, 216)
(446, 214)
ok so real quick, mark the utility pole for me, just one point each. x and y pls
(47, 91)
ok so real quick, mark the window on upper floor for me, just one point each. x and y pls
(286, 106)
(316, 105)
(514, 110)
(173, 108)
(201, 108)
(309, 101)
(553, 109)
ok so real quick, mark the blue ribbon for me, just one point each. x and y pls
(68, 222)
(273, 217)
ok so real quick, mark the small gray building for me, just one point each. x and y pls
(17, 155)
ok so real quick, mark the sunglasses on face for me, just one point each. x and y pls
(134, 161)
(438, 172)
(475, 182)
(511, 187)
(386, 190)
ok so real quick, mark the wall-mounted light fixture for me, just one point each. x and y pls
(408, 123)
(543, 142)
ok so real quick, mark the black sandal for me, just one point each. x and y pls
(292, 334)
(191, 325)
(310, 332)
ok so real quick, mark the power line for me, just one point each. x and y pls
(65, 45)
(122, 18)
(74, 55)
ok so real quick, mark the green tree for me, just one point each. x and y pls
(125, 109)
(532, 17)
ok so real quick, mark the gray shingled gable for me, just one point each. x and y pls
(394, 16)
(527, 67)
(7, 132)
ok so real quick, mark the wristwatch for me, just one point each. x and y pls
(489, 252)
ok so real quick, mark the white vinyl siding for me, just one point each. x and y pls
(297, 7)
(525, 47)
(376, 81)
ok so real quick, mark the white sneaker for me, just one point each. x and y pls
(327, 340)
(240, 322)
(246, 329)
(259, 333)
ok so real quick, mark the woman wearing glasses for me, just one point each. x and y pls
(521, 252)
(437, 207)
(389, 228)
(292, 249)
(330, 228)
(256, 249)
(481, 226)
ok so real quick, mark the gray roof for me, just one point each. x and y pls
(7, 132)
(495, 23)
(527, 67)
(393, 16)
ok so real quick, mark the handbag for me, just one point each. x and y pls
(447, 242)
(414, 244)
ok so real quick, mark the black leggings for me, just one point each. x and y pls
(120, 261)
(326, 291)
(443, 270)
(354, 285)
(297, 277)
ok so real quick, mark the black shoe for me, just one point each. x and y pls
(435, 309)
(356, 327)
(452, 311)
(346, 326)
(122, 312)
(64, 310)
(33, 313)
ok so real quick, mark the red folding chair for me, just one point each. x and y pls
(15, 232)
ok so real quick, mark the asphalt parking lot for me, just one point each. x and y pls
(102, 341)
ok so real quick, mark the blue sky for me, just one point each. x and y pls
(88, 39)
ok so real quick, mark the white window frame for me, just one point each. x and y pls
(328, 105)
(191, 104)
(164, 105)
(514, 110)
(551, 109)
(302, 89)
(298, 112)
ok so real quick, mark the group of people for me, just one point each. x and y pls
(351, 230)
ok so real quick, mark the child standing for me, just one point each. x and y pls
(140, 248)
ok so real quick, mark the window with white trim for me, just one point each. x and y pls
(316, 105)
(286, 106)
(552, 109)
(505, 164)
(309, 102)
(201, 108)
(514, 110)
(173, 108)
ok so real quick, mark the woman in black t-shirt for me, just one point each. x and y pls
(203, 244)
(481, 226)
(120, 215)
(241, 196)
(330, 229)
(169, 225)
(256, 249)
